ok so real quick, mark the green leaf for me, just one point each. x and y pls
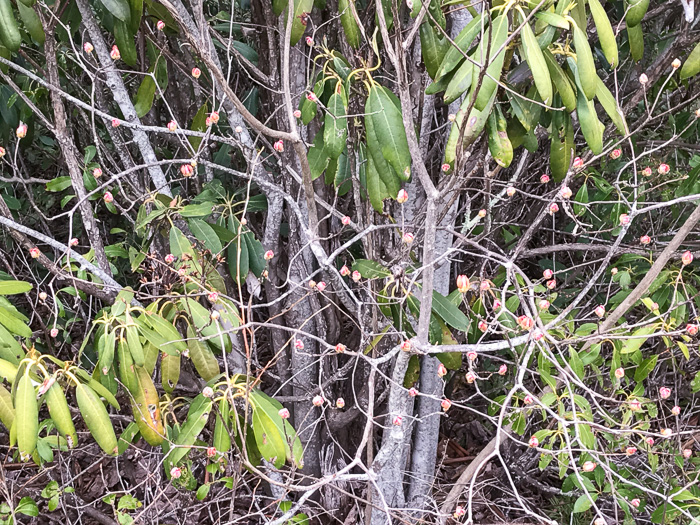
(637, 339)
(14, 287)
(335, 129)
(389, 130)
(145, 95)
(13, 324)
(58, 184)
(179, 244)
(206, 234)
(197, 417)
(96, 418)
(119, 9)
(449, 313)
(199, 123)
(197, 210)
(645, 368)
(272, 433)
(583, 503)
(203, 491)
(575, 362)
(27, 506)
(370, 269)
(237, 252)
(27, 422)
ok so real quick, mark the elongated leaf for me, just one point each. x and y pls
(637, 339)
(607, 100)
(335, 129)
(202, 357)
(96, 418)
(13, 324)
(455, 54)
(274, 433)
(389, 130)
(206, 234)
(60, 414)
(449, 313)
(145, 95)
(27, 424)
(197, 417)
(370, 269)
(14, 287)
(119, 9)
(7, 409)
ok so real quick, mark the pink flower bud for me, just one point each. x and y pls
(534, 442)
(397, 421)
(484, 286)
(502, 370)
(645, 239)
(97, 173)
(445, 404)
(599, 310)
(340, 348)
(676, 63)
(115, 54)
(676, 410)
(543, 304)
(528, 399)
(317, 401)
(115, 123)
(463, 283)
(692, 329)
(186, 170)
(269, 254)
(43, 296)
(88, 47)
(21, 130)
(537, 335)
(175, 472)
(412, 392)
(172, 125)
(620, 373)
(196, 72)
(309, 41)
(664, 168)
(345, 220)
(2, 152)
(666, 432)
(214, 117)
(160, 25)
(213, 297)
(615, 154)
(470, 377)
(53, 332)
(548, 274)
(635, 405)
(356, 276)
(483, 326)
(108, 197)
(408, 238)
(445, 167)
(647, 172)
(497, 304)
(553, 208)
(624, 219)
(472, 355)
(321, 286)
(451, 117)
(46, 384)
(297, 113)
(649, 441)
(283, 413)
(613, 271)
(544, 179)
(686, 258)
(510, 191)
(406, 346)
(589, 466)
(643, 79)
(459, 512)
(441, 371)
(340, 403)
(635, 502)
(482, 213)
(631, 451)
(552, 284)
(687, 453)
(299, 344)
(278, 146)
(344, 271)
(170, 258)
(74, 242)
(578, 162)
(525, 322)
(402, 196)
(664, 392)
(208, 392)
(211, 452)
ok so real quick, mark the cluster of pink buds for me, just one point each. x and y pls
(645, 239)
(548, 274)
(589, 466)
(483, 326)
(687, 453)
(160, 25)
(525, 322)
(553, 208)
(186, 170)
(666, 432)
(578, 162)
(211, 452)
(340, 348)
(664, 392)
(345, 271)
(408, 238)
(686, 258)
(278, 146)
(664, 169)
(269, 254)
(463, 283)
(502, 370)
(356, 276)
(442, 370)
(510, 191)
(635, 502)
(309, 41)
(643, 79)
